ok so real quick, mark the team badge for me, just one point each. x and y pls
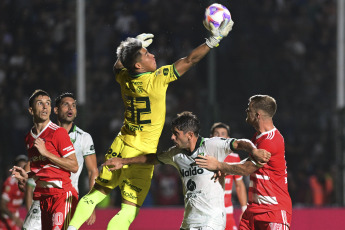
(165, 71)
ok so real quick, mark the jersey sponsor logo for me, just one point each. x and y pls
(69, 148)
(38, 158)
(165, 71)
(134, 128)
(87, 200)
(103, 180)
(92, 147)
(129, 195)
(113, 154)
(133, 187)
(191, 185)
(191, 171)
(140, 89)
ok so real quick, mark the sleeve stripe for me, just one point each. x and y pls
(70, 153)
(175, 72)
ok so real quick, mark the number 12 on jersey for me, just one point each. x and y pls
(136, 107)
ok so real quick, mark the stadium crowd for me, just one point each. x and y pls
(283, 48)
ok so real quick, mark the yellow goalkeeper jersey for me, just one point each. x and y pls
(144, 97)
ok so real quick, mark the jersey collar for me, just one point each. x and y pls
(74, 127)
(198, 144)
(136, 75)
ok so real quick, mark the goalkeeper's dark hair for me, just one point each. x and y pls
(186, 121)
(265, 103)
(35, 94)
(220, 125)
(129, 53)
(63, 95)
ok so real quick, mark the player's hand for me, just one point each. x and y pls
(39, 143)
(92, 218)
(21, 176)
(113, 163)
(222, 31)
(218, 33)
(146, 39)
(217, 175)
(19, 173)
(261, 156)
(207, 162)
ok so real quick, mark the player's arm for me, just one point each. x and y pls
(117, 163)
(68, 163)
(28, 196)
(92, 171)
(241, 193)
(260, 156)
(212, 164)
(184, 64)
(91, 166)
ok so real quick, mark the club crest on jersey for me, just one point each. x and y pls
(191, 171)
(165, 71)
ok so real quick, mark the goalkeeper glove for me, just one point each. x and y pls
(146, 39)
(218, 33)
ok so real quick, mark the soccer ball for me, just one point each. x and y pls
(216, 14)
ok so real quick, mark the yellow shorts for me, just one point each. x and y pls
(134, 180)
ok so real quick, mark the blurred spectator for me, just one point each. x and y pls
(11, 199)
(166, 186)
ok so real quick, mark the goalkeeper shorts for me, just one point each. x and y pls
(134, 180)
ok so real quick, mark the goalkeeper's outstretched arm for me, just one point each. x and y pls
(184, 64)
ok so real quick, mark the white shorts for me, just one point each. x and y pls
(33, 217)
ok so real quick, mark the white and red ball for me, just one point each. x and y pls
(216, 14)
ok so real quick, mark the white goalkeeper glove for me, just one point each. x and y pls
(218, 33)
(146, 39)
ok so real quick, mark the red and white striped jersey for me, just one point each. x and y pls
(229, 181)
(268, 188)
(50, 178)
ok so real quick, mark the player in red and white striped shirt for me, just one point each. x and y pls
(269, 202)
(52, 159)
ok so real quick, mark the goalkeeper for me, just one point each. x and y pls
(143, 89)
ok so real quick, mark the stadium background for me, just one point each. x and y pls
(286, 49)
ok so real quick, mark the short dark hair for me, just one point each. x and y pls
(220, 125)
(63, 95)
(35, 94)
(186, 121)
(265, 103)
(129, 53)
(20, 158)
